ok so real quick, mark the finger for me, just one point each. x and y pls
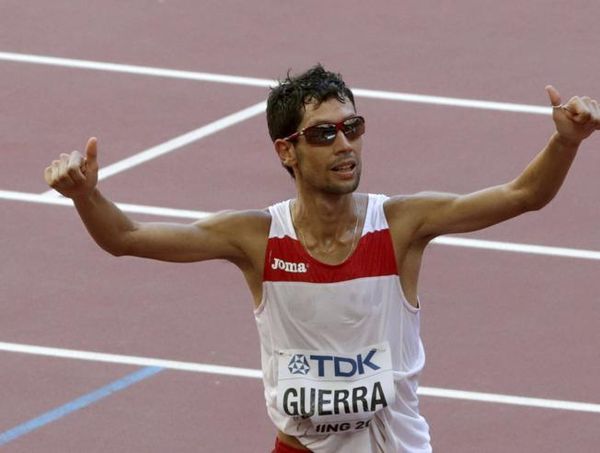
(62, 163)
(54, 173)
(63, 171)
(592, 107)
(587, 102)
(580, 113)
(554, 96)
(596, 113)
(74, 167)
(48, 175)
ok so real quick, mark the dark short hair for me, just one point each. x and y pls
(287, 101)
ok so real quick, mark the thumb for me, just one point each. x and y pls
(554, 95)
(91, 151)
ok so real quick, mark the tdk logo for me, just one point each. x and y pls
(297, 268)
(298, 364)
(344, 366)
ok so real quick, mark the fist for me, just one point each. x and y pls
(73, 175)
(575, 120)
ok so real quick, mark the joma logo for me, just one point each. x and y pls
(298, 268)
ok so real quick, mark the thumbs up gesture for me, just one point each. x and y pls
(575, 120)
(74, 175)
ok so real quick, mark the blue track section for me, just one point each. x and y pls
(79, 403)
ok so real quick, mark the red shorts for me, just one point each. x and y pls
(280, 447)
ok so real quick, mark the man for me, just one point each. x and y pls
(333, 273)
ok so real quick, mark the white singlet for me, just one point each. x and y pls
(340, 346)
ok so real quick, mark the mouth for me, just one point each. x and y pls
(345, 169)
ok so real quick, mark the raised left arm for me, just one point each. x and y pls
(438, 213)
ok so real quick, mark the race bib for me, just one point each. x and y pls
(337, 392)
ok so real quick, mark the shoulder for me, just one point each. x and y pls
(413, 203)
(238, 236)
(256, 219)
(240, 222)
(406, 214)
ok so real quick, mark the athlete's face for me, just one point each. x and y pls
(333, 168)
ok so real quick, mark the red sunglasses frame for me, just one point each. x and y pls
(338, 127)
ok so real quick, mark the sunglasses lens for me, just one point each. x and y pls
(324, 134)
(320, 135)
(354, 127)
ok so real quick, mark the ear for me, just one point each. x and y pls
(286, 152)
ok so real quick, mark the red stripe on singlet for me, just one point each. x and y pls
(287, 261)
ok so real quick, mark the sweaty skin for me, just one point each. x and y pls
(327, 212)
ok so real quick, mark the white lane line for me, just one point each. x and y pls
(177, 142)
(126, 207)
(510, 399)
(129, 360)
(257, 82)
(257, 374)
(134, 69)
(452, 102)
(514, 247)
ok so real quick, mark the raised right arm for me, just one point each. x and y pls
(230, 235)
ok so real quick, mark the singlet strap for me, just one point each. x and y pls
(375, 218)
(281, 221)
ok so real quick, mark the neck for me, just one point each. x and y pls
(328, 227)
(325, 217)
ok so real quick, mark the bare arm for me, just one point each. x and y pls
(225, 235)
(214, 237)
(437, 213)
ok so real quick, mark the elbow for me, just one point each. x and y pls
(116, 247)
(117, 252)
(537, 205)
(534, 200)
(114, 250)
(121, 243)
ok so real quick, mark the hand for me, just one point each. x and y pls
(73, 175)
(575, 120)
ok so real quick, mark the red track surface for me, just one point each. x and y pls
(492, 321)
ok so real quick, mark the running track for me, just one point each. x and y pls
(498, 325)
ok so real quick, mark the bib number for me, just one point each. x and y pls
(338, 393)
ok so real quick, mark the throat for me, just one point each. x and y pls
(332, 250)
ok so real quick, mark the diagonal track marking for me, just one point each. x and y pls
(176, 143)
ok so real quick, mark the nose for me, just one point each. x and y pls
(341, 144)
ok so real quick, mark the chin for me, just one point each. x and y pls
(343, 188)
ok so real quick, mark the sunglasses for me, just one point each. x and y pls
(324, 134)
